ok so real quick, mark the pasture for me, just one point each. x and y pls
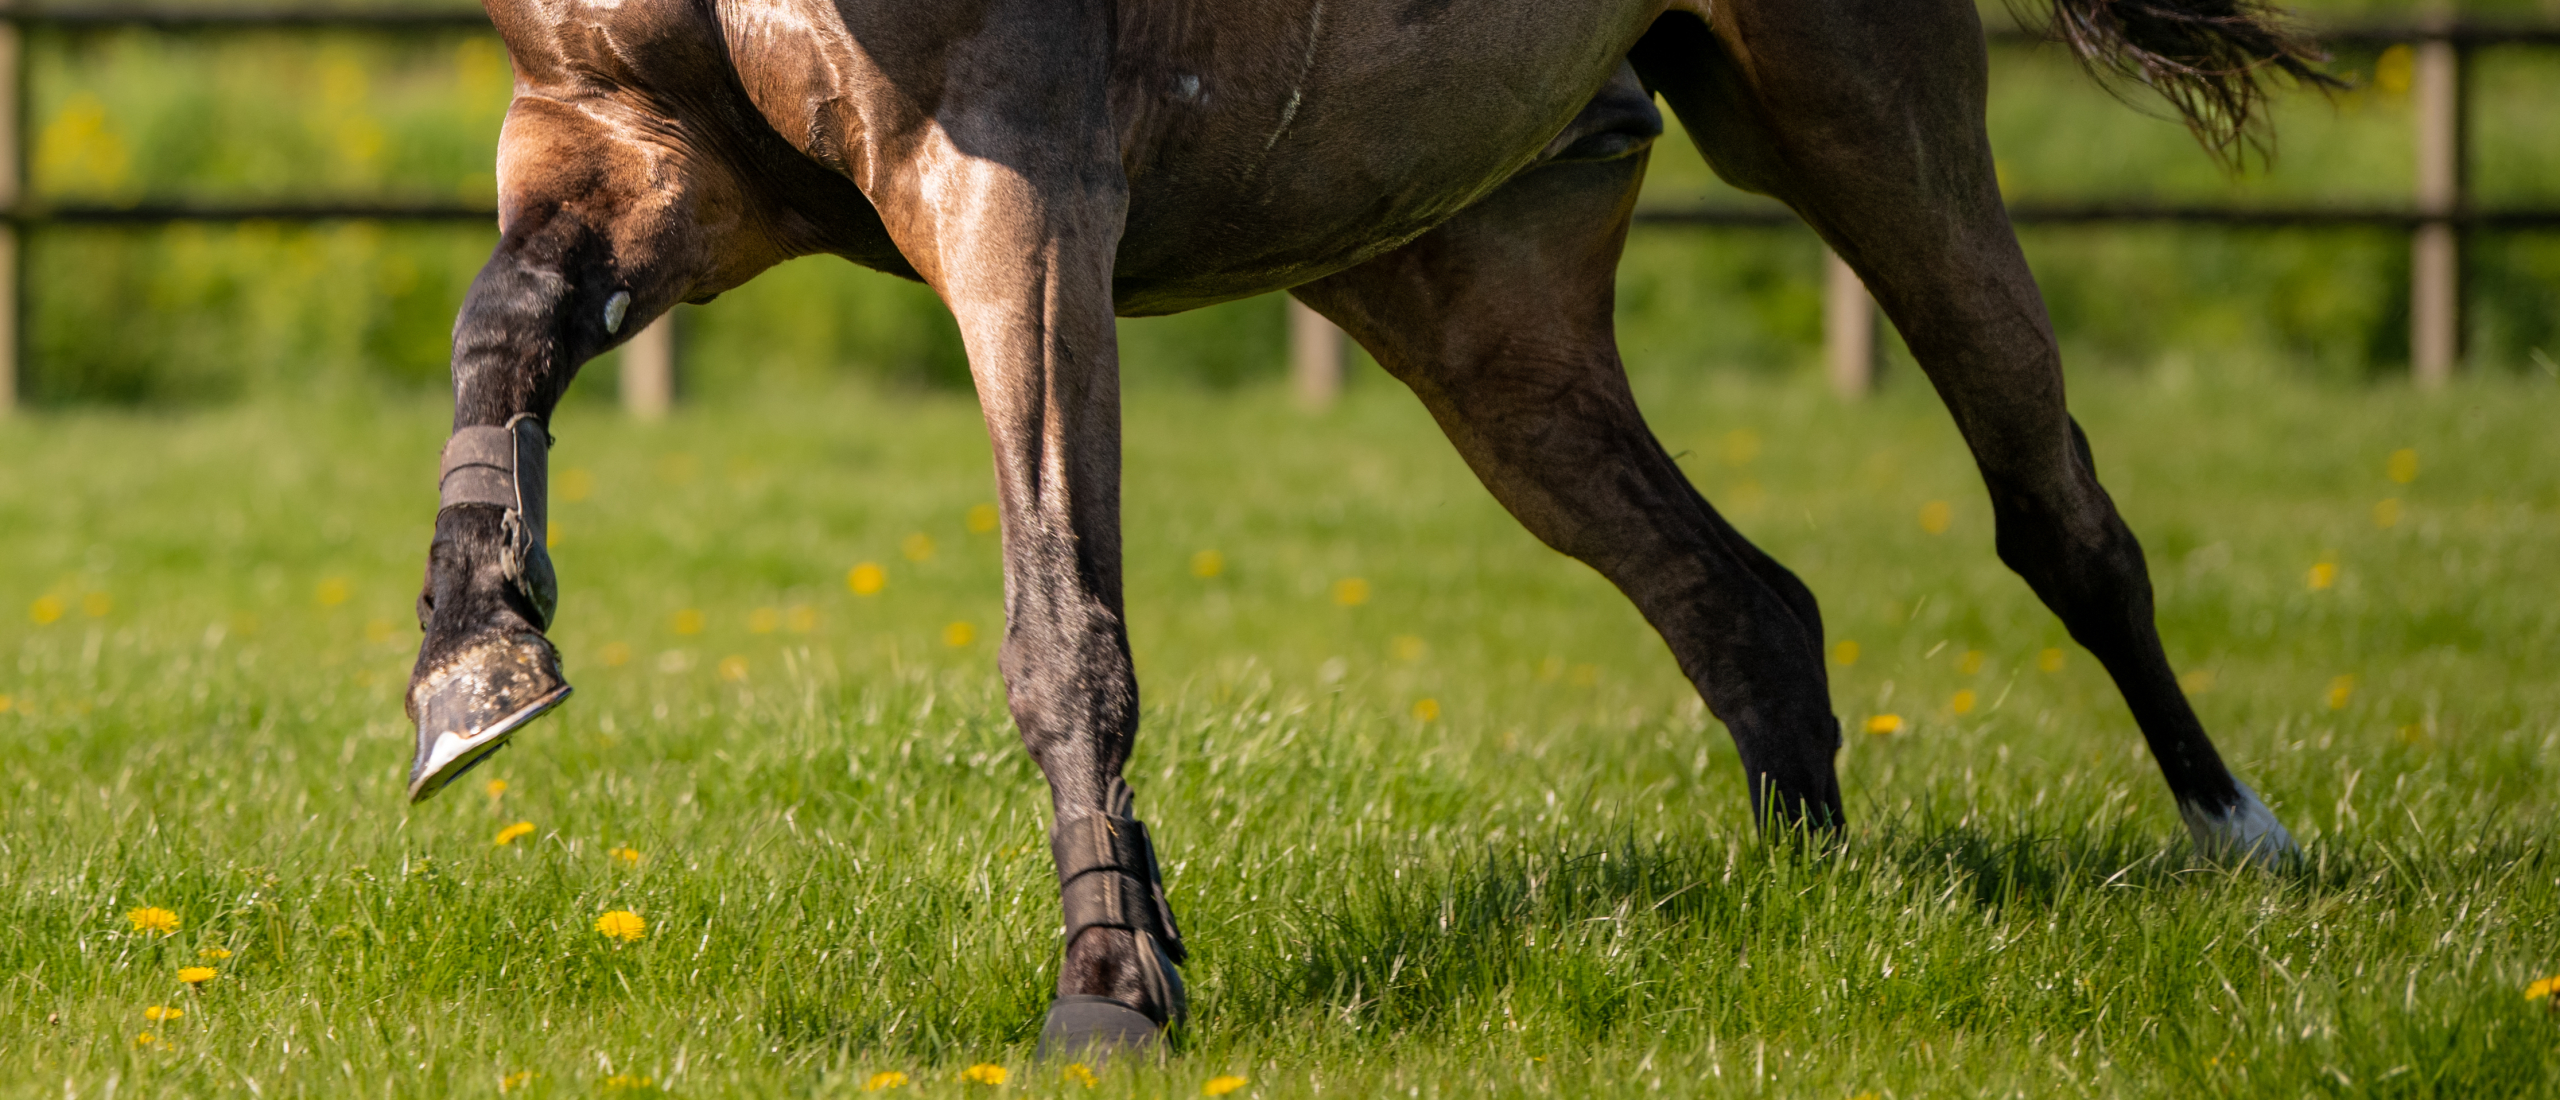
(1438, 813)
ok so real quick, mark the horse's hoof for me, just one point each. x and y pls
(1095, 1028)
(476, 699)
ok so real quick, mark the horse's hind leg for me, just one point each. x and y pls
(602, 232)
(1867, 118)
(1500, 321)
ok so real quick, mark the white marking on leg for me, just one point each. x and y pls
(2248, 830)
(615, 309)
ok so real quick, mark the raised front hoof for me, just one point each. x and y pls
(1095, 1029)
(474, 701)
(2244, 833)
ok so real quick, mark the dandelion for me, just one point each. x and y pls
(1741, 445)
(1207, 564)
(162, 1012)
(917, 547)
(1583, 676)
(2396, 70)
(1406, 647)
(615, 654)
(45, 611)
(764, 620)
(866, 579)
(1426, 710)
(2414, 734)
(885, 1079)
(145, 1039)
(957, 635)
(1079, 1073)
(2339, 690)
(2197, 681)
(1970, 663)
(687, 621)
(2402, 467)
(331, 591)
(629, 856)
(6, 703)
(1844, 654)
(2049, 660)
(733, 668)
(2386, 515)
(1936, 516)
(982, 519)
(217, 954)
(2323, 575)
(496, 788)
(153, 919)
(516, 1080)
(1351, 591)
(96, 605)
(515, 832)
(195, 975)
(628, 1081)
(377, 631)
(2547, 987)
(622, 924)
(1883, 724)
(576, 484)
(984, 1073)
(1222, 1084)
(1963, 702)
(800, 619)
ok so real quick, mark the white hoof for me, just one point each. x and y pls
(2247, 831)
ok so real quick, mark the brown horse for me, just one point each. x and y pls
(1449, 180)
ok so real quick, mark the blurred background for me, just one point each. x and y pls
(125, 122)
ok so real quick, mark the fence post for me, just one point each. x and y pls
(2435, 251)
(1315, 357)
(1848, 329)
(649, 370)
(12, 192)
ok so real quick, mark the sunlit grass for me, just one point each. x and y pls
(1542, 882)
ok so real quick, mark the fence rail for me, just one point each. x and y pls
(2436, 219)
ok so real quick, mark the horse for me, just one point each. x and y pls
(1449, 181)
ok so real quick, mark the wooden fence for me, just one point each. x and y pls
(2437, 218)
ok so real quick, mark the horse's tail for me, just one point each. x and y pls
(2209, 58)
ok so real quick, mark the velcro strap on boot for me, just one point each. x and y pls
(509, 467)
(1107, 878)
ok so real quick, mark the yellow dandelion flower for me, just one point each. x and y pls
(1970, 663)
(215, 953)
(1222, 1084)
(733, 668)
(1207, 564)
(800, 619)
(958, 635)
(145, 1039)
(515, 832)
(687, 621)
(866, 579)
(2547, 987)
(626, 855)
(45, 611)
(331, 591)
(628, 1081)
(1079, 1073)
(984, 1073)
(1407, 647)
(1869, 1095)
(2339, 690)
(1883, 724)
(2323, 575)
(2198, 681)
(96, 605)
(2049, 660)
(1844, 654)
(6, 702)
(885, 1079)
(917, 547)
(622, 924)
(1962, 703)
(1583, 676)
(497, 788)
(764, 620)
(195, 975)
(1426, 710)
(2402, 468)
(1741, 445)
(516, 1080)
(2386, 514)
(615, 654)
(162, 1012)
(1351, 591)
(982, 519)
(576, 484)
(153, 919)
(1936, 516)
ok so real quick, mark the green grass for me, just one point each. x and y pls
(1551, 889)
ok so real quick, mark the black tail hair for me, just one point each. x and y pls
(2209, 58)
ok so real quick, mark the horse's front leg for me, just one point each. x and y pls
(1010, 201)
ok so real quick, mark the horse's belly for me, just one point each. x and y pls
(1257, 162)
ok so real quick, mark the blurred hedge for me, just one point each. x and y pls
(206, 313)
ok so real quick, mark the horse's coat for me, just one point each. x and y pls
(1449, 180)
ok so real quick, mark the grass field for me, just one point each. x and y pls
(1469, 835)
